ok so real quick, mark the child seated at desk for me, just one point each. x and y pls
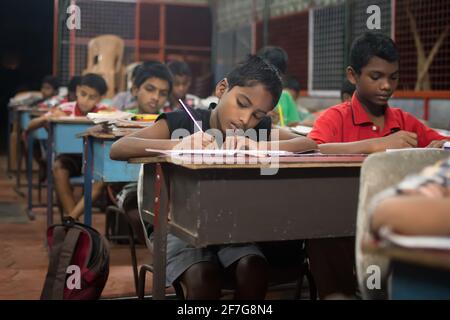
(249, 92)
(50, 86)
(366, 124)
(182, 80)
(152, 85)
(90, 92)
(287, 105)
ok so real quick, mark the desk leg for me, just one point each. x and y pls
(160, 240)
(8, 137)
(30, 143)
(19, 155)
(50, 156)
(88, 145)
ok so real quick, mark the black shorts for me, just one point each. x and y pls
(72, 163)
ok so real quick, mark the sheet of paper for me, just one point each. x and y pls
(415, 242)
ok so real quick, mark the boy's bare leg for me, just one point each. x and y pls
(202, 281)
(251, 278)
(78, 209)
(63, 187)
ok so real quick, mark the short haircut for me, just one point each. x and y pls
(74, 83)
(94, 81)
(369, 45)
(179, 68)
(53, 81)
(347, 87)
(276, 56)
(291, 83)
(142, 65)
(255, 70)
(152, 70)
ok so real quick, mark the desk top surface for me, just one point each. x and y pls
(323, 161)
(71, 120)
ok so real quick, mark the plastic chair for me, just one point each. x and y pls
(105, 55)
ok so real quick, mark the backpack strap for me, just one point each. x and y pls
(60, 258)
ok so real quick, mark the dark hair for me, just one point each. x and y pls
(276, 56)
(291, 83)
(179, 68)
(142, 65)
(74, 83)
(53, 81)
(255, 70)
(94, 81)
(152, 70)
(369, 45)
(347, 87)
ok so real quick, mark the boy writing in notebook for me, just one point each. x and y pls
(90, 92)
(366, 124)
(246, 96)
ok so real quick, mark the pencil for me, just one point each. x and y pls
(190, 115)
(280, 112)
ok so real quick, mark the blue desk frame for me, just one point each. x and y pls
(98, 166)
(62, 138)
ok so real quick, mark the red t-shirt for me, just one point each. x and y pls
(349, 122)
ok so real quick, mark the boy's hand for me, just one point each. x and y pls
(198, 140)
(275, 116)
(57, 113)
(240, 143)
(399, 140)
(437, 144)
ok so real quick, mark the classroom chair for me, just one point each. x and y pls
(379, 172)
(105, 55)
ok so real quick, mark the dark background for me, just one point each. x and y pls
(26, 42)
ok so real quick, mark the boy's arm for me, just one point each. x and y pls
(405, 215)
(288, 141)
(37, 123)
(156, 137)
(134, 145)
(398, 140)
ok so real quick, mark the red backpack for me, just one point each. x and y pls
(79, 262)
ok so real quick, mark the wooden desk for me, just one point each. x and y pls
(62, 138)
(309, 197)
(416, 273)
(98, 166)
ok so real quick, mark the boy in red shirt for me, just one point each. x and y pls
(89, 92)
(366, 124)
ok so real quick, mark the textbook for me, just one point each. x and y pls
(110, 117)
(302, 130)
(414, 242)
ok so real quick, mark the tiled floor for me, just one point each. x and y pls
(23, 254)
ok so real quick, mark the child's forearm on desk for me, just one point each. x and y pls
(134, 147)
(293, 145)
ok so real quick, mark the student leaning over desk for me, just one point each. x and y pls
(246, 95)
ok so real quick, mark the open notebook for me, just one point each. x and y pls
(414, 242)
